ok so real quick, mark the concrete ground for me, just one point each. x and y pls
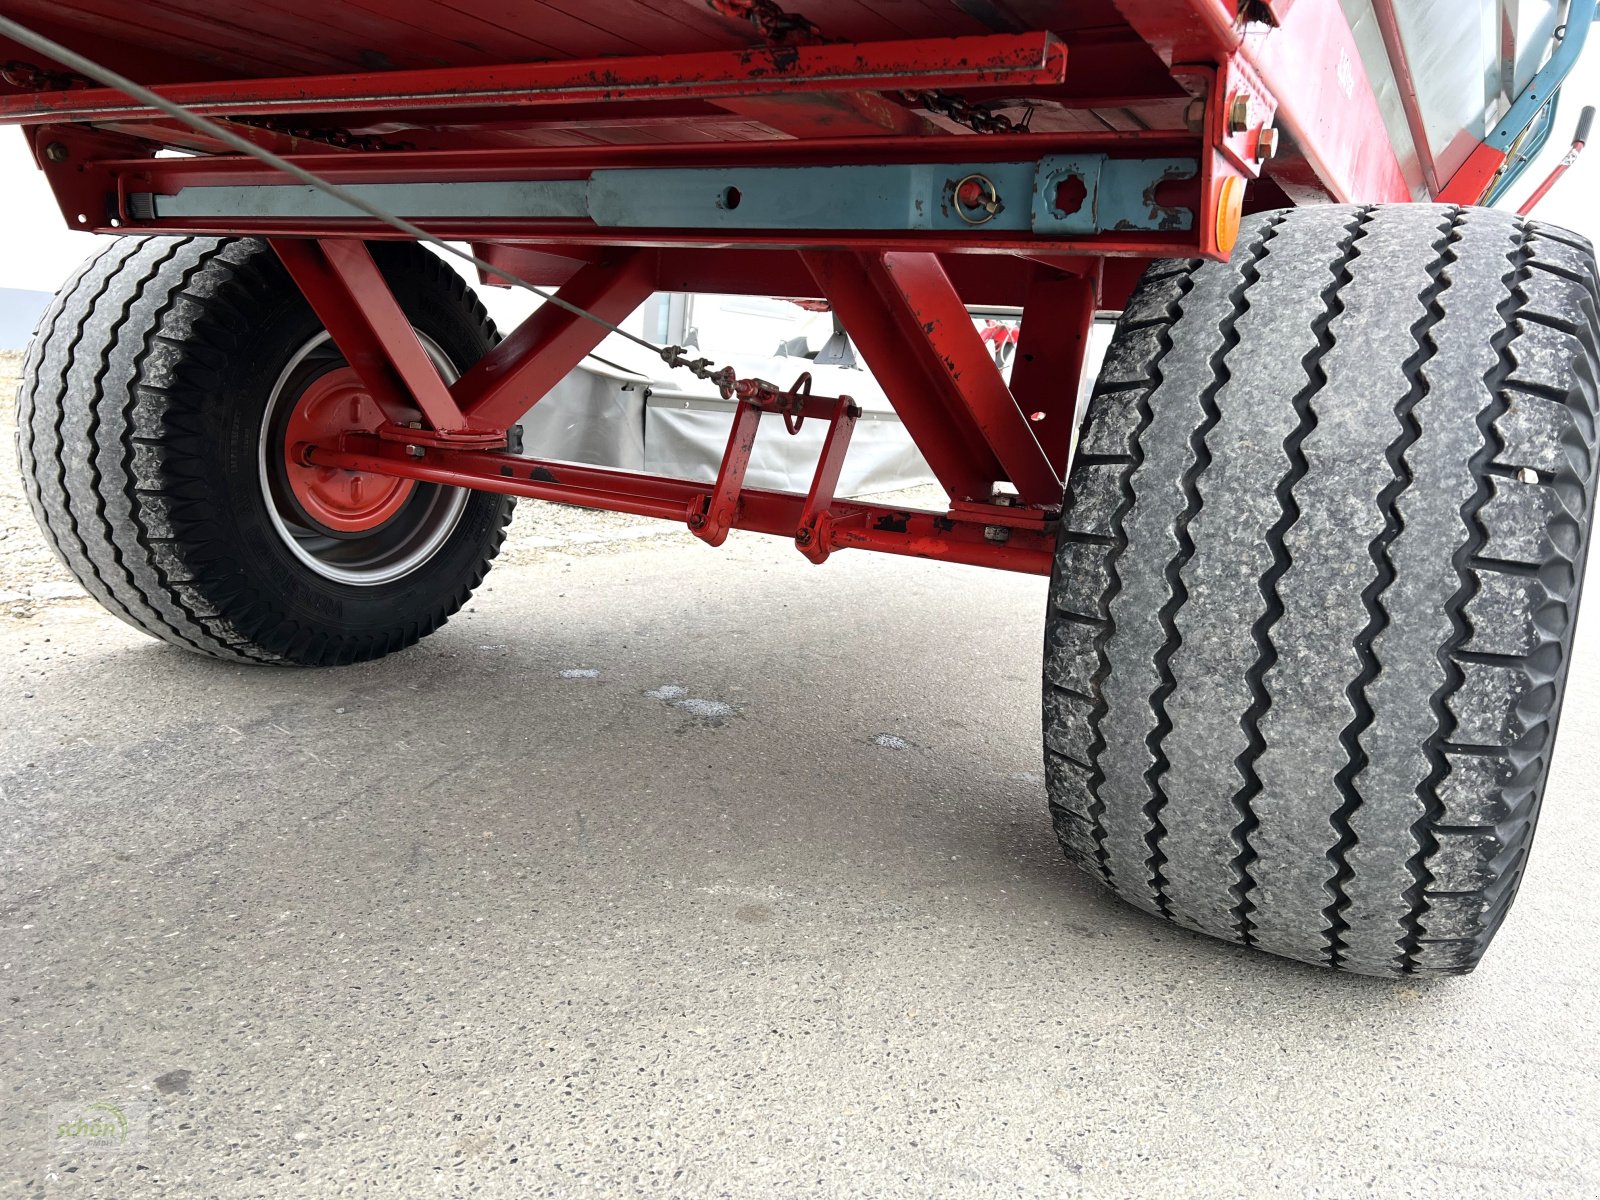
(704, 873)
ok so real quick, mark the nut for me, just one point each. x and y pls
(1194, 116)
(56, 152)
(415, 451)
(996, 533)
(1266, 144)
(1238, 113)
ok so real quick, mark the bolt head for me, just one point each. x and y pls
(996, 533)
(56, 152)
(415, 451)
(1266, 144)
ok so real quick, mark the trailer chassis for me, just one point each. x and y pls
(896, 233)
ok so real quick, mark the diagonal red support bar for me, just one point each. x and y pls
(831, 114)
(955, 355)
(922, 346)
(948, 438)
(1056, 319)
(1406, 84)
(351, 297)
(517, 373)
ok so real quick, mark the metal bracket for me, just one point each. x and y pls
(1087, 193)
(1239, 112)
(714, 515)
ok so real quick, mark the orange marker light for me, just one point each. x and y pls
(1230, 209)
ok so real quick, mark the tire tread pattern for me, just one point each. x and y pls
(1307, 639)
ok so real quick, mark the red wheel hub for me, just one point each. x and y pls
(346, 501)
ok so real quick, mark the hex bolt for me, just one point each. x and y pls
(996, 533)
(56, 152)
(1194, 116)
(1238, 113)
(1266, 144)
(415, 451)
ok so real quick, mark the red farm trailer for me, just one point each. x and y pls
(1314, 559)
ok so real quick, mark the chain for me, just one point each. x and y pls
(30, 77)
(342, 138)
(771, 22)
(979, 118)
(781, 28)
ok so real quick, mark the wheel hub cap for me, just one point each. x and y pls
(346, 501)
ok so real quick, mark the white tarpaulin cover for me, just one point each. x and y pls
(613, 412)
(623, 408)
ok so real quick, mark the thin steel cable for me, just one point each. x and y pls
(673, 356)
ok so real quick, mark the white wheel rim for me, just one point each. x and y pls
(392, 551)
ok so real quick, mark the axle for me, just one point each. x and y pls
(991, 535)
(1001, 533)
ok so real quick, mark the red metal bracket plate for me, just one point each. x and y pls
(1240, 111)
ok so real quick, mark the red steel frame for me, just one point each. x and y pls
(925, 63)
(1000, 450)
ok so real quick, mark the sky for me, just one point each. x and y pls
(38, 251)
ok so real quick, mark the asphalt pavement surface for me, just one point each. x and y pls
(665, 870)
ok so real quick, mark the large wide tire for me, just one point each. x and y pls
(150, 432)
(1315, 591)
